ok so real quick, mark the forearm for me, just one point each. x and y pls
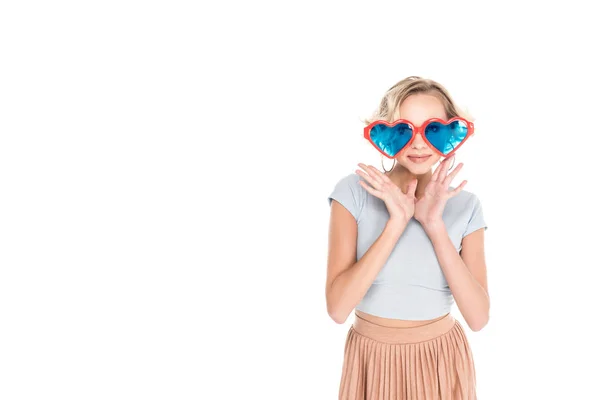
(348, 289)
(471, 298)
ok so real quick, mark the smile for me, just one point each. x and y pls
(419, 160)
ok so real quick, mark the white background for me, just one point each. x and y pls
(164, 170)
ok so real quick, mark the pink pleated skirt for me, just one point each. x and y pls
(428, 362)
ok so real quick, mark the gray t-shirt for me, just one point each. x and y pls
(411, 284)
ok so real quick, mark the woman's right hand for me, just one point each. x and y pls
(400, 205)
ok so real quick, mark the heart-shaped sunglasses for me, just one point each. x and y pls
(444, 137)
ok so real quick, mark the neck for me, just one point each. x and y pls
(402, 177)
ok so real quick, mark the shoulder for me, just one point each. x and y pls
(465, 199)
(350, 179)
(467, 208)
(348, 192)
(351, 182)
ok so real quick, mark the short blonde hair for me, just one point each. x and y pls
(389, 107)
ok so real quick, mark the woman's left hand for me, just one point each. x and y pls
(429, 208)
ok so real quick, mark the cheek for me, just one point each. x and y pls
(403, 153)
(435, 158)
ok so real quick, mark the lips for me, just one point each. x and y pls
(418, 159)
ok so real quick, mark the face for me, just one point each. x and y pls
(418, 108)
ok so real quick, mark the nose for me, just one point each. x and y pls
(418, 142)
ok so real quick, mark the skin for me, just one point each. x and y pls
(409, 190)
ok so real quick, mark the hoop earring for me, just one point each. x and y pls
(382, 166)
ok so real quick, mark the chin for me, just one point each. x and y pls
(417, 169)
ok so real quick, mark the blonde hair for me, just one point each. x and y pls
(389, 107)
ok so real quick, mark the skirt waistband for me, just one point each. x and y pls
(415, 334)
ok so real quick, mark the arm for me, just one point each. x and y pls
(464, 272)
(349, 280)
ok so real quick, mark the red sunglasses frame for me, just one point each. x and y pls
(421, 130)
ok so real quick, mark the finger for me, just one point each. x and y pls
(369, 189)
(377, 174)
(412, 187)
(372, 173)
(452, 175)
(436, 173)
(368, 178)
(457, 190)
(444, 170)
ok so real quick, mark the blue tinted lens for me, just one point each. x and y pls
(391, 140)
(446, 138)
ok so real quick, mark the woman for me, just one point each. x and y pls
(404, 245)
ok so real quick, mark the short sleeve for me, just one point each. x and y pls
(350, 194)
(476, 221)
